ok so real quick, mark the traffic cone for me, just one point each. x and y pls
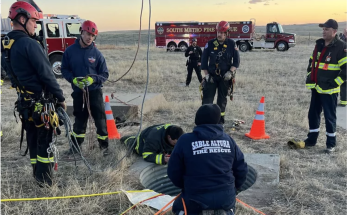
(257, 130)
(110, 122)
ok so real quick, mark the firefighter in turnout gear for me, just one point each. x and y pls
(327, 71)
(343, 93)
(194, 61)
(37, 87)
(220, 61)
(155, 143)
(85, 68)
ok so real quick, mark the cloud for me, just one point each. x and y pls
(266, 4)
(249, 7)
(276, 3)
(256, 1)
(335, 14)
(345, 12)
(221, 3)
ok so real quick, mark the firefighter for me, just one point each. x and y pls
(343, 93)
(223, 57)
(194, 61)
(327, 70)
(207, 165)
(155, 143)
(85, 68)
(31, 73)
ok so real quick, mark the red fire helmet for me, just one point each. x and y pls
(90, 27)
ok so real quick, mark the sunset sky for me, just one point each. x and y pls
(113, 15)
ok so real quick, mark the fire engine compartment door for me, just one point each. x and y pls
(54, 36)
(40, 33)
(272, 31)
(72, 31)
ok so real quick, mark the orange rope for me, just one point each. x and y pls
(133, 206)
(158, 212)
(249, 206)
(166, 211)
(183, 203)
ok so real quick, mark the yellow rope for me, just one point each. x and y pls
(70, 197)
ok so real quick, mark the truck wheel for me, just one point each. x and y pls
(243, 47)
(171, 47)
(56, 63)
(183, 47)
(282, 46)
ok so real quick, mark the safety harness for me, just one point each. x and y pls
(44, 113)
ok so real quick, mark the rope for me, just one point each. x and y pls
(71, 197)
(158, 212)
(246, 205)
(133, 206)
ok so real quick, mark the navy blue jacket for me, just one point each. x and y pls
(80, 62)
(207, 160)
(229, 58)
(30, 64)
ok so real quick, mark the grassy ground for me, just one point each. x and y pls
(311, 182)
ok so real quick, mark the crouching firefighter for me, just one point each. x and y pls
(37, 88)
(155, 143)
(223, 57)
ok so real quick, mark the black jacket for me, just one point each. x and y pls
(152, 145)
(30, 64)
(195, 57)
(207, 160)
(229, 56)
(332, 68)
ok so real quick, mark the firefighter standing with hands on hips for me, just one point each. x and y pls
(31, 73)
(220, 61)
(85, 68)
(326, 72)
(194, 61)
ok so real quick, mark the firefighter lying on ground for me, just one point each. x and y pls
(81, 62)
(220, 61)
(207, 165)
(155, 143)
(194, 53)
(37, 87)
(324, 80)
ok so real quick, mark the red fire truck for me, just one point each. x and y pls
(178, 35)
(57, 32)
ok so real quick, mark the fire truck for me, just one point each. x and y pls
(178, 35)
(57, 32)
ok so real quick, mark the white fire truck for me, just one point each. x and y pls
(57, 33)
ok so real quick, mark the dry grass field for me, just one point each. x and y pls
(311, 182)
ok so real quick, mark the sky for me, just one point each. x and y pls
(116, 15)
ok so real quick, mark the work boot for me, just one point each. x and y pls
(222, 120)
(311, 139)
(329, 150)
(105, 151)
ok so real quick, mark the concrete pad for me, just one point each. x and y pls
(267, 167)
(258, 195)
(128, 105)
(341, 114)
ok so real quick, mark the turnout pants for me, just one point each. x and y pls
(343, 93)
(195, 204)
(320, 102)
(81, 117)
(38, 140)
(209, 92)
(190, 67)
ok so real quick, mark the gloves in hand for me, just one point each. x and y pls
(228, 76)
(79, 83)
(89, 81)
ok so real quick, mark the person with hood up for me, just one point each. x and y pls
(207, 165)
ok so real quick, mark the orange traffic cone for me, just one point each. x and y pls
(257, 130)
(110, 122)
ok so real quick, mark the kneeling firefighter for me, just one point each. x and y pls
(38, 91)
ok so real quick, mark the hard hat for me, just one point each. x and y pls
(21, 7)
(194, 40)
(90, 27)
(222, 26)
